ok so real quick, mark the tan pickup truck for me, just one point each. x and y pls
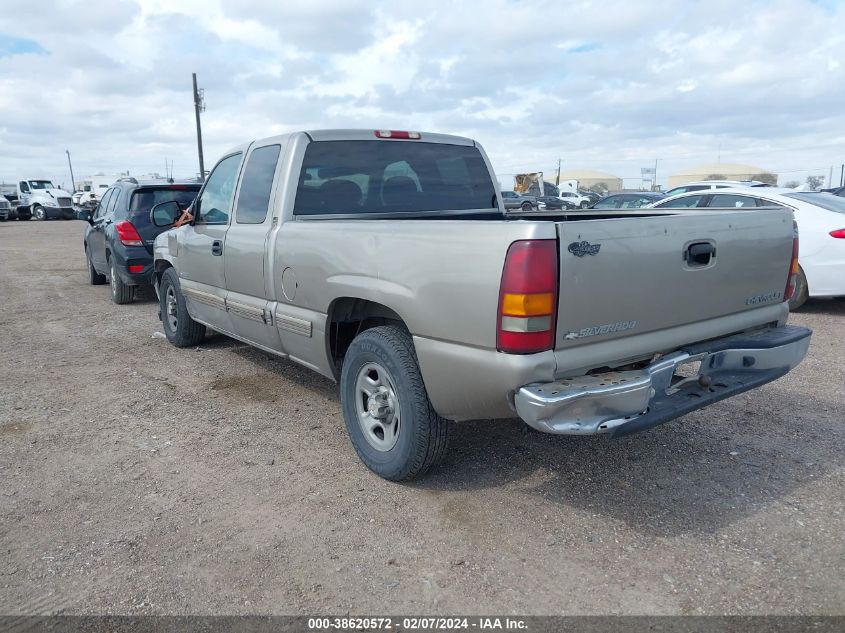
(386, 261)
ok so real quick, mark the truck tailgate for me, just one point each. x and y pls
(631, 275)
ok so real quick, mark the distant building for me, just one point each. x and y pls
(590, 178)
(721, 171)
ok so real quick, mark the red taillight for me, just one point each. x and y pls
(792, 279)
(528, 298)
(413, 136)
(127, 234)
(178, 187)
(838, 233)
(136, 268)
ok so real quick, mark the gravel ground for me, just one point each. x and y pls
(140, 478)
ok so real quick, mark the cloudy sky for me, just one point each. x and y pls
(605, 84)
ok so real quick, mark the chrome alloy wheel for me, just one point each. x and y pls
(377, 407)
(170, 308)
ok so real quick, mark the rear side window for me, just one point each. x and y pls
(145, 199)
(612, 202)
(113, 200)
(101, 208)
(636, 202)
(727, 200)
(687, 202)
(254, 197)
(359, 177)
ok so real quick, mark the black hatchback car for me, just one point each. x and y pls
(119, 238)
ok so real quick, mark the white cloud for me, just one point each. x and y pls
(610, 85)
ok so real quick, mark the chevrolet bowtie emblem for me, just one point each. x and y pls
(579, 249)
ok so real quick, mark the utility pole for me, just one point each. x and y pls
(557, 180)
(842, 176)
(199, 106)
(72, 181)
(654, 176)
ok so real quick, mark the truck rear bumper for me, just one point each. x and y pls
(693, 377)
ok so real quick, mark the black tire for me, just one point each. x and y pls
(121, 293)
(585, 204)
(526, 206)
(94, 278)
(423, 435)
(185, 332)
(802, 292)
(39, 213)
(24, 217)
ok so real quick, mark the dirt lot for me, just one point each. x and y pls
(140, 478)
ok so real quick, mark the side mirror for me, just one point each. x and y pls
(165, 213)
(84, 214)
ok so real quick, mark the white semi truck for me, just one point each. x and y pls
(39, 198)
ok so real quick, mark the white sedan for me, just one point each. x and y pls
(821, 231)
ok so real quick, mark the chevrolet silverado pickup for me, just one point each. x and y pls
(385, 261)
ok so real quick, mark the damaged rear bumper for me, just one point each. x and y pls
(693, 377)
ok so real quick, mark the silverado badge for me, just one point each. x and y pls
(579, 249)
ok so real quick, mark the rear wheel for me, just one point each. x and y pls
(391, 423)
(585, 204)
(94, 278)
(526, 206)
(121, 293)
(802, 292)
(39, 213)
(179, 328)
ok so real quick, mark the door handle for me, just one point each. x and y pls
(217, 247)
(699, 254)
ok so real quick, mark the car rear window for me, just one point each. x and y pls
(824, 200)
(145, 199)
(360, 177)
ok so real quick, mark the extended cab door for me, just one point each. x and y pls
(245, 260)
(201, 246)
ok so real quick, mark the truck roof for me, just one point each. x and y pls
(364, 135)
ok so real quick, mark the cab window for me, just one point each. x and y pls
(215, 202)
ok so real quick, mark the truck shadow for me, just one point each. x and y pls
(822, 306)
(697, 474)
(694, 475)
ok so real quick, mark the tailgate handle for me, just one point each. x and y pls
(699, 254)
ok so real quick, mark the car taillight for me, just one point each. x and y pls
(136, 268)
(792, 279)
(528, 298)
(127, 234)
(413, 136)
(838, 233)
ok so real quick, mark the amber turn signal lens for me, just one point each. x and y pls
(539, 304)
